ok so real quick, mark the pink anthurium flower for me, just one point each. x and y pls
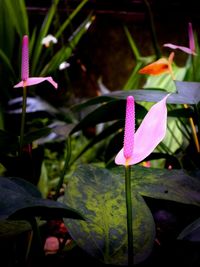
(26, 80)
(138, 145)
(189, 50)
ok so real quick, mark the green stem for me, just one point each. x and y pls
(37, 242)
(66, 166)
(22, 121)
(129, 215)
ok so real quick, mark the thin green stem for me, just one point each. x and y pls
(66, 166)
(37, 246)
(22, 121)
(129, 215)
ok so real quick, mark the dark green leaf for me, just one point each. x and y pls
(34, 135)
(187, 93)
(18, 200)
(174, 185)
(189, 90)
(112, 110)
(100, 196)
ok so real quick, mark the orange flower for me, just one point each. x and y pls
(160, 66)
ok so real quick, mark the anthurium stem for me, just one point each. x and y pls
(129, 214)
(22, 121)
(37, 245)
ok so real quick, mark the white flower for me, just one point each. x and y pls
(64, 65)
(49, 39)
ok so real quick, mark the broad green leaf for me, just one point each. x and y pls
(173, 185)
(190, 90)
(155, 95)
(29, 187)
(100, 196)
(18, 200)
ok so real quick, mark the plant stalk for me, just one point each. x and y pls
(66, 166)
(129, 215)
(22, 120)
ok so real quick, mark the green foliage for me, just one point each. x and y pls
(22, 200)
(99, 195)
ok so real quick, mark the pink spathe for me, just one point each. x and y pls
(191, 38)
(150, 133)
(36, 80)
(26, 81)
